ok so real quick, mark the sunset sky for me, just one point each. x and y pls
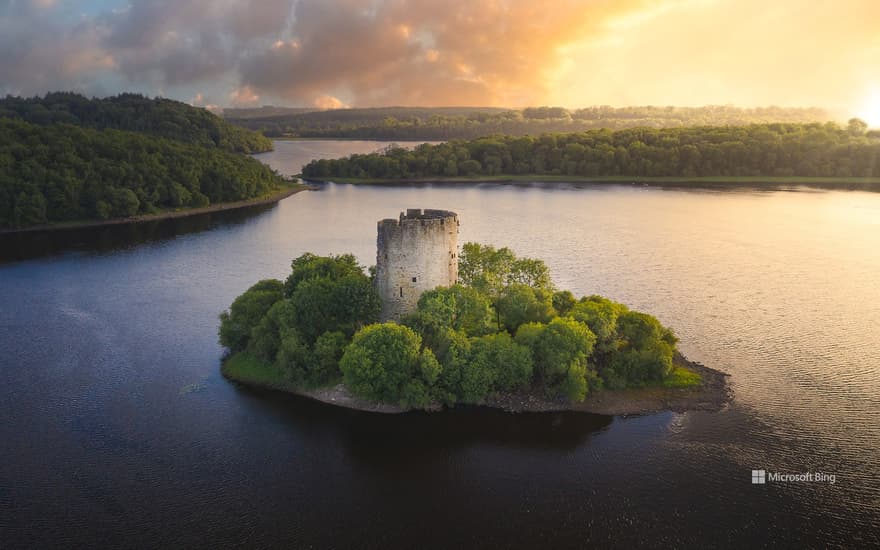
(450, 52)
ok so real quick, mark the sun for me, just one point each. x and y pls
(870, 111)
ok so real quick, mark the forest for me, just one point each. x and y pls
(61, 172)
(504, 328)
(155, 116)
(771, 150)
(444, 123)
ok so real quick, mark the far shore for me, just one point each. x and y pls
(712, 394)
(845, 183)
(274, 197)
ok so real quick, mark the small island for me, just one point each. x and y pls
(434, 326)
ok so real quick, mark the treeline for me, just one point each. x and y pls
(62, 172)
(156, 116)
(826, 150)
(503, 329)
(444, 123)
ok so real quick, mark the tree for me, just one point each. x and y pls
(310, 266)
(600, 314)
(646, 351)
(509, 363)
(346, 304)
(453, 351)
(563, 301)
(558, 347)
(520, 304)
(490, 270)
(456, 307)
(246, 312)
(856, 127)
(384, 362)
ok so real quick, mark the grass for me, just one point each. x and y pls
(682, 377)
(246, 368)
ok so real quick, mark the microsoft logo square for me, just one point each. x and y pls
(759, 477)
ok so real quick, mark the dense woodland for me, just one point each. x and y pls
(826, 150)
(136, 113)
(503, 329)
(444, 123)
(61, 172)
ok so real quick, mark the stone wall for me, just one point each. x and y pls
(415, 253)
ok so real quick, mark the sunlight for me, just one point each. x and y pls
(870, 111)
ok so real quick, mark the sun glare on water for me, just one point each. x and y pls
(870, 111)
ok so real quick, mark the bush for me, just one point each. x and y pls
(600, 314)
(520, 304)
(246, 312)
(510, 363)
(646, 350)
(558, 348)
(384, 362)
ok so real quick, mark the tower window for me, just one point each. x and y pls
(401, 292)
(414, 279)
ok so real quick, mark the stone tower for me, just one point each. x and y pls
(415, 253)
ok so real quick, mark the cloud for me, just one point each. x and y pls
(244, 97)
(428, 52)
(447, 52)
(38, 53)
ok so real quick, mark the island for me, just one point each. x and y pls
(432, 325)
(818, 154)
(67, 161)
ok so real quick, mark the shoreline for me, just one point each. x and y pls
(165, 215)
(751, 182)
(712, 394)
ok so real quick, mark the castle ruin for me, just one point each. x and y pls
(415, 253)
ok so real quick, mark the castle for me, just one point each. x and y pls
(415, 253)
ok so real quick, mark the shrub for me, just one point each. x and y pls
(384, 362)
(246, 312)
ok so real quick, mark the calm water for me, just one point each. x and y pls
(118, 430)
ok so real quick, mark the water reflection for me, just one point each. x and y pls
(375, 438)
(102, 239)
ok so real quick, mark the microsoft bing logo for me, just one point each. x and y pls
(759, 477)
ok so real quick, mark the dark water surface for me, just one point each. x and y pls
(118, 430)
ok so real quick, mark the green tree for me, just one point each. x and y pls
(558, 347)
(323, 304)
(509, 363)
(646, 351)
(600, 314)
(563, 301)
(520, 304)
(310, 266)
(456, 307)
(453, 351)
(328, 350)
(246, 312)
(385, 362)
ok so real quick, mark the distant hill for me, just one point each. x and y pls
(443, 123)
(156, 116)
(265, 111)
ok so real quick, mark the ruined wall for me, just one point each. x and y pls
(415, 253)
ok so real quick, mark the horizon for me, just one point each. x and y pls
(509, 54)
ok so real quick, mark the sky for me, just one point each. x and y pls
(510, 53)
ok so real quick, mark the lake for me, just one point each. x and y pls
(118, 429)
